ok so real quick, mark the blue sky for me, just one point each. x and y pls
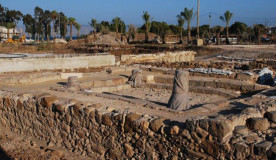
(249, 11)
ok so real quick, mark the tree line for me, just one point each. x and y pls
(162, 29)
(44, 24)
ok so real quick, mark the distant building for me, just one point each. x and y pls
(4, 32)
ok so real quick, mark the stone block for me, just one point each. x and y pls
(262, 148)
(220, 128)
(106, 119)
(67, 75)
(149, 78)
(129, 119)
(48, 101)
(260, 124)
(156, 124)
(244, 77)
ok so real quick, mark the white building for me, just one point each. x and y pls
(4, 32)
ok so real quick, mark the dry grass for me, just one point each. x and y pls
(37, 48)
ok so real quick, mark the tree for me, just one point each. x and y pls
(47, 24)
(259, 30)
(78, 27)
(217, 30)
(71, 22)
(93, 24)
(29, 23)
(54, 16)
(188, 16)
(116, 21)
(226, 18)
(38, 16)
(164, 30)
(238, 28)
(2, 15)
(180, 22)
(9, 26)
(203, 30)
(63, 25)
(132, 31)
(147, 18)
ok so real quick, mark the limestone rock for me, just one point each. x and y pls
(129, 150)
(106, 119)
(130, 118)
(48, 101)
(262, 148)
(219, 128)
(242, 130)
(242, 150)
(265, 76)
(156, 124)
(260, 124)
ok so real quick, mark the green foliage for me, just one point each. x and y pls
(188, 15)
(63, 24)
(94, 25)
(132, 31)
(259, 30)
(238, 28)
(226, 17)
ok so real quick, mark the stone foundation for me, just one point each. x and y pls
(36, 64)
(184, 56)
(91, 129)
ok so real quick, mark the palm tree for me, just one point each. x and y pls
(131, 32)
(218, 30)
(54, 16)
(65, 23)
(181, 23)
(9, 26)
(78, 27)
(71, 21)
(259, 29)
(188, 16)
(93, 24)
(226, 18)
(147, 18)
(116, 21)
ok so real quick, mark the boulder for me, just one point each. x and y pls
(260, 124)
(130, 118)
(156, 124)
(219, 128)
(48, 101)
(262, 148)
(129, 150)
(265, 76)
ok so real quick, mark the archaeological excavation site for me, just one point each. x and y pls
(168, 105)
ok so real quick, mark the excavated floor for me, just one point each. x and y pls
(143, 100)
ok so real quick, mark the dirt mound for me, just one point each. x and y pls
(108, 40)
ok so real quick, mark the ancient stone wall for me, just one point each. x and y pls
(111, 134)
(169, 57)
(34, 64)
